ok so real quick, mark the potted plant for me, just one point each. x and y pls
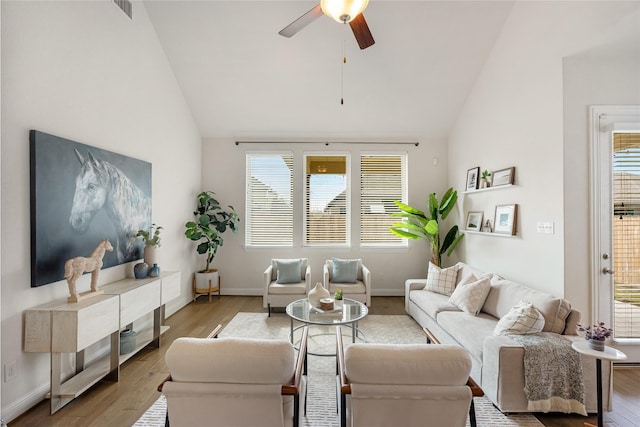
(596, 334)
(337, 296)
(211, 221)
(151, 239)
(418, 225)
(484, 179)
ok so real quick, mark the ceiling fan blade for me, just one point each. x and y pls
(302, 22)
(361, 31)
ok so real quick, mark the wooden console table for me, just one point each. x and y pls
(61, 327)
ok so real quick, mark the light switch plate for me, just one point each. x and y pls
(545, 227)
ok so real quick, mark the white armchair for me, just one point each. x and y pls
(285, 280)
(352, 276)
(235, 382)
(403, 384)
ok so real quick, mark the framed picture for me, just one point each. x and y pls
(472, 178)
(82, 194)
(474, 221)
(486, 227)
(505, 220)
(503, 176)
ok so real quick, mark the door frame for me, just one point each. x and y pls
(603, 120)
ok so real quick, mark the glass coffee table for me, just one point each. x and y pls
(349, 314)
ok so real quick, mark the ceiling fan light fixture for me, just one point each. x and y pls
(343, 11)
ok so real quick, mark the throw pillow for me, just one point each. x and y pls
(470, 294)
(288, 271)
(441, 280)
(344, 270)
(522, 319)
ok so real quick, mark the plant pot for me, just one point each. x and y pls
(150, 255)
(596, 345)
(206, 280)
(338, 303)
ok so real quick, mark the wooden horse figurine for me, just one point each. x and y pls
(76, 267)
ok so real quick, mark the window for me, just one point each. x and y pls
(269, 199)
(326, 202)
(327, 217)
(383, 179)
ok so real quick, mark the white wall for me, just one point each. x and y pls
(514, 117)
(84, 71)
(608, 74)
(241, 270)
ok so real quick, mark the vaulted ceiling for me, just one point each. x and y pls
(243, 80)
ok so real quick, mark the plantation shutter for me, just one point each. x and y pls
(327, 200)
(269, 199)
(626, 235)
(383, 179)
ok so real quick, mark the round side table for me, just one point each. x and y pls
(609, 353)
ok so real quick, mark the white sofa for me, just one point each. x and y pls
(498, 361)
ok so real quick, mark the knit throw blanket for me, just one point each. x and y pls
(552, 374)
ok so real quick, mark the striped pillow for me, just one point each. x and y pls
(522, 319)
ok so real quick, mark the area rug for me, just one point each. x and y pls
(321, 390)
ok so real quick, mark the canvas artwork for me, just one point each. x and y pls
(81, 195)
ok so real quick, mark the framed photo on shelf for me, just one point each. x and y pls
(472, 179)
(474, 221)
(503, 176)
(486, 227)
(505, 219)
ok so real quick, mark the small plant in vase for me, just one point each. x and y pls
(338, 298)
(484, 179)
(596, 334)
(151, 239)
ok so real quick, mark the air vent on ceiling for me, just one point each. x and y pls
(126, 7)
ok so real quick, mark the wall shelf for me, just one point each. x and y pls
(484, 233)
(480, 190)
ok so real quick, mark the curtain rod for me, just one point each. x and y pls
(327, 143)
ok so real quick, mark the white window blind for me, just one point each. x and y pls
(327, 200)
(383, 179)
(269, 199)
(626, 235)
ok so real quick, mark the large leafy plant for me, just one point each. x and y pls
(419, 225)
(210, 222)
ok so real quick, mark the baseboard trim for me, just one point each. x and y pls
(15, 409)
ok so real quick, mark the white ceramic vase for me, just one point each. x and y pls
(316, 294)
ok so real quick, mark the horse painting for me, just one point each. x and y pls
(75, 267)
(101, 185)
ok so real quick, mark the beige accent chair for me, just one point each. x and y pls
(280, 294)
(359, 291)
(235, 382)
(403, 384)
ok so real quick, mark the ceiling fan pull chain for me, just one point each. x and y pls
(344, 61)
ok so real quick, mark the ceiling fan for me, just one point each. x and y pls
(343, 11)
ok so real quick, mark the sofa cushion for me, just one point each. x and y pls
(345, 270)
(465, 269)
(303, 267)
(441, 280)
(431, 303)
(407, 364)
(469, 331)
(231, 360)
(522, 319)
(470, 294)
(288, 271)
(505, 294)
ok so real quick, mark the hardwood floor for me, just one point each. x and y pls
(122, 403)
